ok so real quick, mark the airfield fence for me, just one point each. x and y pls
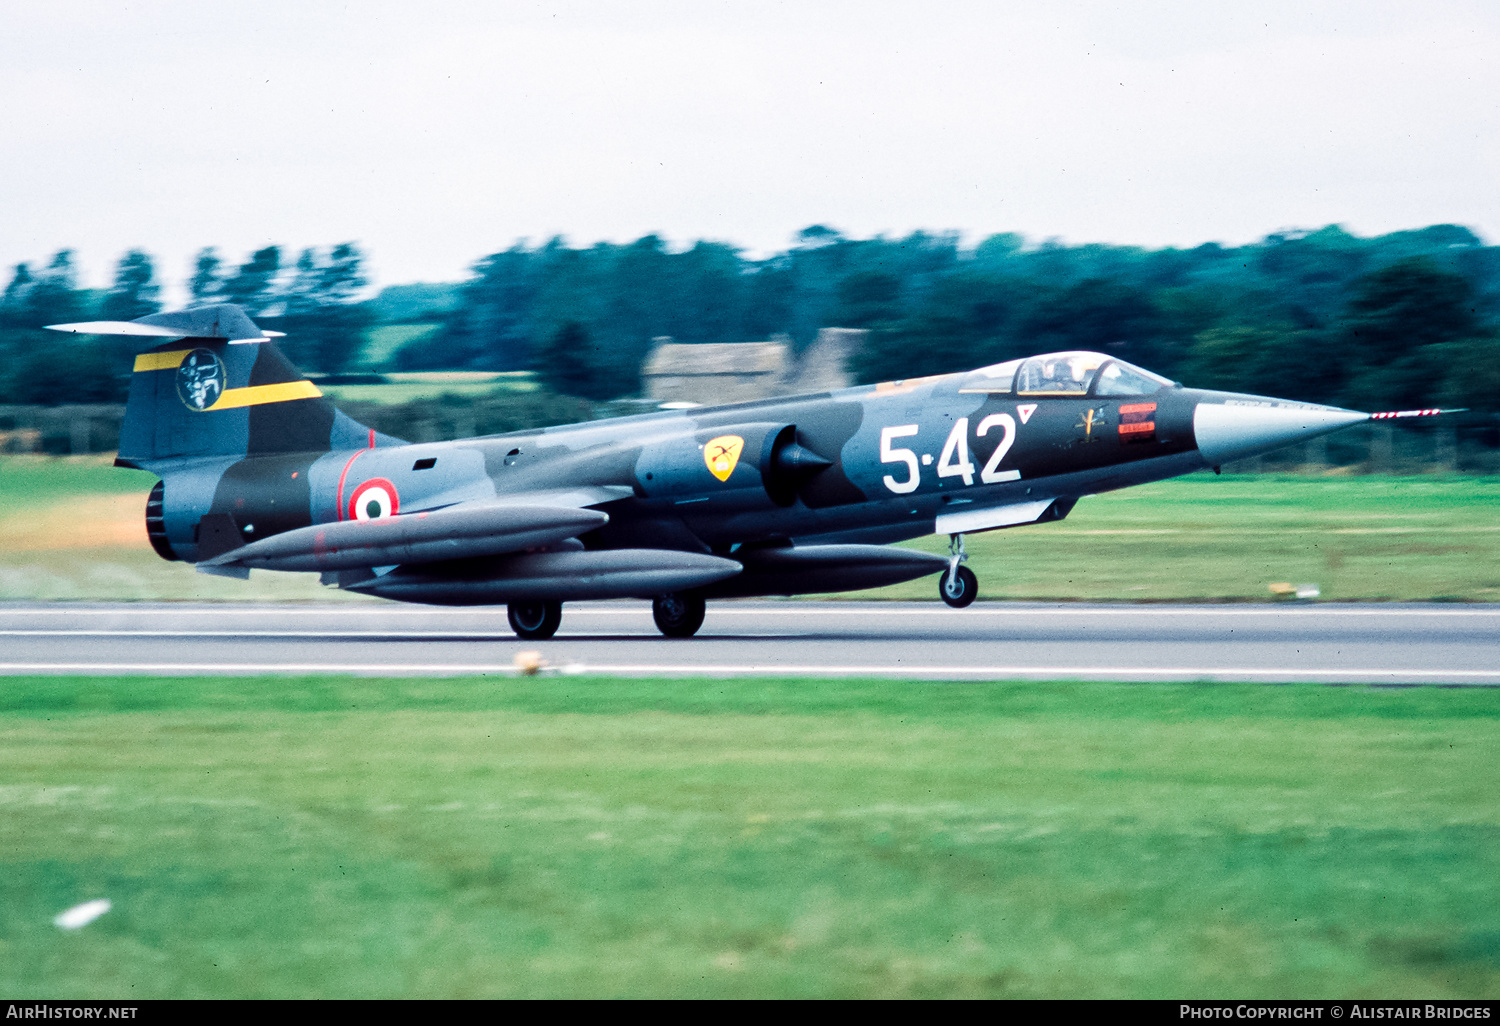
(1464, 445)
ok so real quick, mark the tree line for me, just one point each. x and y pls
(1397, 320)
(1393, 321)
(315, 300)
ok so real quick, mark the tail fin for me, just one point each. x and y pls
(221, 387)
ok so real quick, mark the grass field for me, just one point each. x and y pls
(1228, 538)
(596, 837)
(73, 528)
(432, 386)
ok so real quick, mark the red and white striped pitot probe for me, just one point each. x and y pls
(1403, 414)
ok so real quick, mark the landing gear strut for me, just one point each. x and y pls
(678, 614)
(958, 586)
(536, 620)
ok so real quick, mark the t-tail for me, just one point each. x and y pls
(217, 385)
(218, 412)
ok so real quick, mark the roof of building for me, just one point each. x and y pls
(677, 359)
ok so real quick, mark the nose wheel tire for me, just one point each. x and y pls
(534, 621)
(958, 587)
(678, 615)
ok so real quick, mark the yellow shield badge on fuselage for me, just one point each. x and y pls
(721, 455)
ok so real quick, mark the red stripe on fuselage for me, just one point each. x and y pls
(345, 475)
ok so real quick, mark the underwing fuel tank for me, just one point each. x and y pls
(811, 569)
(557, 576)
(464, 532)
(1234, 427)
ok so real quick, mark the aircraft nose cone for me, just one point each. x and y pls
(1235, 429)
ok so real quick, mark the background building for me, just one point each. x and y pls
(711, 373)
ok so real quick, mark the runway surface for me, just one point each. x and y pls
(1376, 644)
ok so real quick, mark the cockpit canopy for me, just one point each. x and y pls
(1064, 374)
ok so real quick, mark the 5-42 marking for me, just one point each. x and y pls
(954, 461)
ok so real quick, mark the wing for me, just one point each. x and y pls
(990, 517)
(584, 495)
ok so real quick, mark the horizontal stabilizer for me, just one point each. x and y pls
(241, 573)
(225, 321)
(116, 328)
(462, 532)
(147, 330)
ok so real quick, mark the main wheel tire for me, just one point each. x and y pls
(678, 614)
(960, 588)
(534, 621)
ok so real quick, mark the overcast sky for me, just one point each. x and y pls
(435, 133)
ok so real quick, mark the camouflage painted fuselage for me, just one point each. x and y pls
(650, 474)
(782, 496)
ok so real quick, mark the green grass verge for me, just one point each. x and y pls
(33, 485)
(1194, 538)
(1228, 538)
(73, 528)
(598, 837)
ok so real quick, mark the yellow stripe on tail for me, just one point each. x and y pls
(256, 395)
(160, 361)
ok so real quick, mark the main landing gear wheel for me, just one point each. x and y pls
(678, 615)
(534, 621)
(958, 587)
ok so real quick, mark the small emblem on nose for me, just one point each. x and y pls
(1091, 423)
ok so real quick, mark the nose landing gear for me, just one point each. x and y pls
(958, 587)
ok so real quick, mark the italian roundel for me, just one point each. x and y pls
(375, 498)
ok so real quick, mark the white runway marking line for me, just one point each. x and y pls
(390, 669)
(580, 615)
(796, 611)
(391, 635)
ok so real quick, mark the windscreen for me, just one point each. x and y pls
(997, 377)
(1058, 374)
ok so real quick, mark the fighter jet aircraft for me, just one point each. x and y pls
(257, 470)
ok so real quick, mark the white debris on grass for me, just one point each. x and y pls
(81, 915)
(530, 663)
